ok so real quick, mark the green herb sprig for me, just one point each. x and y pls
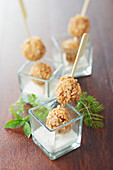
(20, 121)
(89, 107)
(19, 107)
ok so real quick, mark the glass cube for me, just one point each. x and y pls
(28, 85)
(54, 144)
(84, 66)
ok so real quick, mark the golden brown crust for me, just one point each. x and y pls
(58, 117)
(42, 71)
(70, 44)
(68, 90)
(79, 25)
(33, 49)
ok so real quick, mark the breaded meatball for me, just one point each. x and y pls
(58, 117)
(79, 25)
(42, 71)
(67, 90)
(70, 44)
(33, 49)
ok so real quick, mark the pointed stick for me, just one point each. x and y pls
(24, 18)
(80, 51)
(84, 8)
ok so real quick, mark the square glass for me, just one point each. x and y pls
(52, 143)
(43, 92)
(84, 66)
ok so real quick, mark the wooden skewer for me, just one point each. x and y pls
(84, 8)
(80, 52)
(24, 14)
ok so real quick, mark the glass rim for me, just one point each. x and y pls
(59, 127)
(19, 72)
(57, 45)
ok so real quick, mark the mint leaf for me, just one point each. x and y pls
(33, 100)
(11, 108)
(18, 116)
(20, 107)
(26, 118)
(42, 113)
(14, 123)
(27, 129)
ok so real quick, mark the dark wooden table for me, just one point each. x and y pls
(47, 18)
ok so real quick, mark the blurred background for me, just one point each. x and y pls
(45, 18)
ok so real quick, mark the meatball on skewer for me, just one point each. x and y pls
(80, 24)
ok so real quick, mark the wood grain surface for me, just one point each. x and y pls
(47, 18)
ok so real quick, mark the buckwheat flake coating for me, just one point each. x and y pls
(70, 44)
(42, 71)
(67, 90)
(79, 25)
(58, 117)
(33, 49)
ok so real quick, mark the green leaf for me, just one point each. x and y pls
(99, 124)
(96, 115)
(42, 113)
(90, 99)
(96, 108)
(26, 118)
(11, 109)
(18, 116)
(23, 103)
(89, 107)
(27, 129)
(33, 99)
(19, 107)
(95, 118)
(14, 123)
(84, 94)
